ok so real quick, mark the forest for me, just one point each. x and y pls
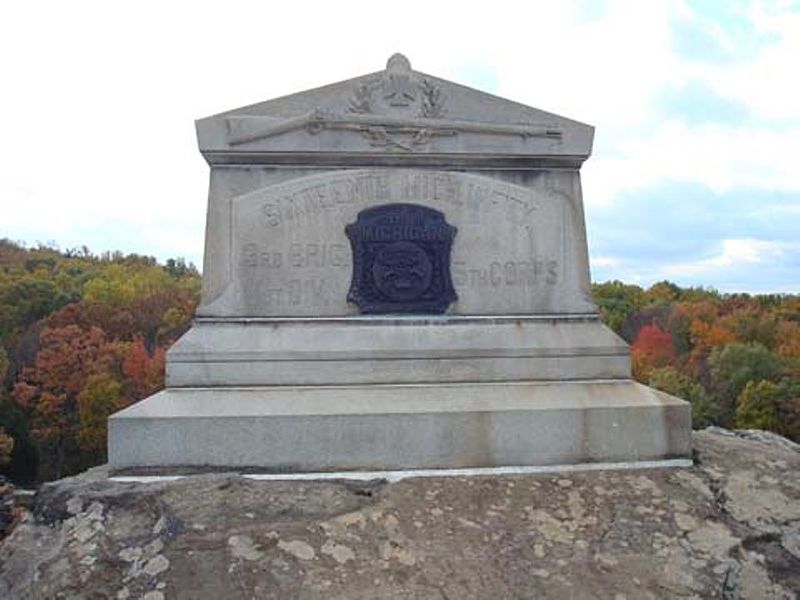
(84, 335)
(81, 336)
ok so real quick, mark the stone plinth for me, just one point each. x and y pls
(334, 428)
(229, 352)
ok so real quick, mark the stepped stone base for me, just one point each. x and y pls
(395, 350)
(325, 428)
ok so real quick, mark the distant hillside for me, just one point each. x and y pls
(735, 357)
(83, 335)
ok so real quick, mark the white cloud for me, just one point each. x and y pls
(720, 157)
(605, 261)
(734, 253)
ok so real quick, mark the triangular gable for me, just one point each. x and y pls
(397, 112)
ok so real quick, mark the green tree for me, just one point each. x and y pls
(178, 269)
(732, 366)
(699, 294)
(752, 325)
(99, 398)
(663, 291)
(29, 299)
(672, 381)
(616, 301)
(788, 408)
(756, 407)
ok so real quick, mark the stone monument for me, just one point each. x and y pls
(396, 276)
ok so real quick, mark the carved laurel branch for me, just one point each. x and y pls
(361, 102)
(381, 138)
(432, 105)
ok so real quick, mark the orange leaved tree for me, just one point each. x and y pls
(652, 349)
(49, 390)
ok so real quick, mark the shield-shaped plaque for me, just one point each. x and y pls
(401, 260)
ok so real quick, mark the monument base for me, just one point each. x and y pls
(395, 350)
(325, 428)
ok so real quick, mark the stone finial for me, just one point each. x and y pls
(398, 63)
(399, 88)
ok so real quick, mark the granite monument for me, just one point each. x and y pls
(396, 276)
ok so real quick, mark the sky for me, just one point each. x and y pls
(694, 175)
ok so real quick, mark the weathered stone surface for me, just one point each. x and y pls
(399, 113)
(280, 249)
(336, 212)
(365, 427)
(290, 174)
(396, 350)
(726, 528)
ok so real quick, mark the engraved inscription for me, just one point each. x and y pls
(319, 199)
(401, 260)
(296, 255)
(290, 254)
(295, 292)
(524, 273)
(322, 198)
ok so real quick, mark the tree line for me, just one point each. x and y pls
(84, 335)
(735, 357)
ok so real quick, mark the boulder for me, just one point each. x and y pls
(728, 527)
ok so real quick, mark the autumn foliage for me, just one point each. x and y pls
(652, 349)
(82, 337)
(735, 357)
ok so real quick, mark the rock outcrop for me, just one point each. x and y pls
(729, 527)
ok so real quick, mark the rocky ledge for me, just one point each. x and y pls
(729, 527)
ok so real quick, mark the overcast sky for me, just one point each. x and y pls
(695, 175)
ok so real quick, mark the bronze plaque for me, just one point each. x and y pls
(401, 260)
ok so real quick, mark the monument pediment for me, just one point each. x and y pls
(399, 112)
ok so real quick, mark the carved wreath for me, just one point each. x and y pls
(432, 106)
